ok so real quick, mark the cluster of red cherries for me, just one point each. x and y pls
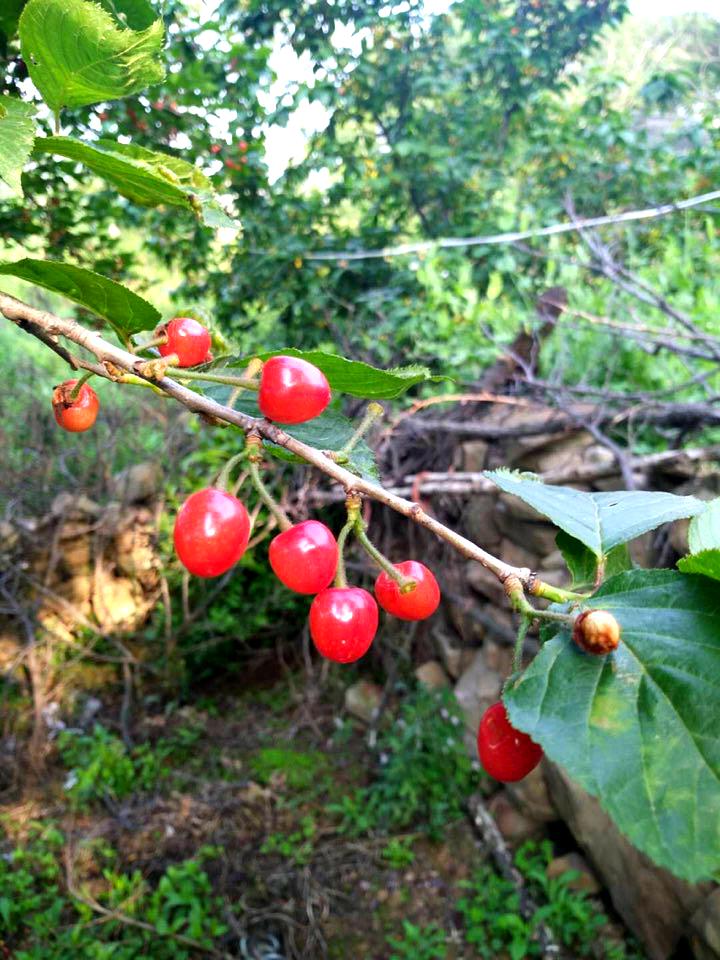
(212, 530)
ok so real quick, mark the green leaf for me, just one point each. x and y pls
(124, 310)
(704, 532)
(144, 176)
(17, 132)
(351, 376)
(78, 54)
(583, 564)
(706, 562)
(599, 520)
(639, 729)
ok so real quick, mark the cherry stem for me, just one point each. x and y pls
(374, 410)
(180, 374)
(223, 478)
(155, 342)
(267, 498)
(75, 392)
(340, 575)
(406, 584)
(520, 642)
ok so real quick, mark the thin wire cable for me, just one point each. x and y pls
(403, 249)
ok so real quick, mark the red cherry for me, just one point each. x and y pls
(211, 533)
(215, 148)
(243, 145)
(305, 557)
(292, 390)
(76, 415)
(343, 622)
(186, 338)
(417, 604)
(506, 754)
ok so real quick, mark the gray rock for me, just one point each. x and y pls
(137, 483)
(362, 699)
(432, 676)
(654, 904)
(476, 689)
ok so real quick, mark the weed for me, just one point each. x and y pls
(101, 766)
(425, 774)
(398, 853)
(300, 770)
(419, 943)
(297, 846)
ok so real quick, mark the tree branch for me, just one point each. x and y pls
(113, 358)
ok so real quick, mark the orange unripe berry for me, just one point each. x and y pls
(596, 632)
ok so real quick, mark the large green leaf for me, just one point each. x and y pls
(144, 176)
(77, 53)
(350, 376)
(706, 562)
(124, 310)
(599, 520)
(583, 563)
(640, 729)
(17, 132)
(704, 532)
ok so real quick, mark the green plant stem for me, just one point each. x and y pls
(340, 575)
(75, 392)
(374, 410)
(406, 584)
(223, 478)
(267, 498)
(519, 643)
(155, 342)
(520, 603)
(556, 594)
(177, 373)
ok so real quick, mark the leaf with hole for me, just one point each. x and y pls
(78, 54)
(124, 310)
(17, 133)
(639, 729)
(599, 520)
(144, 176)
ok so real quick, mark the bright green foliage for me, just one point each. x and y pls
(601, 521)
(424, 775)
(638, 729)
(704, 532)
(48, 924)
(17, 132)
(300, 770)
(145, 176)
(297, 847)
(398, 852)
(419, 943)
(124, 310)
(493, 925)
(101, 766)
(78, 54)
(706, 562)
